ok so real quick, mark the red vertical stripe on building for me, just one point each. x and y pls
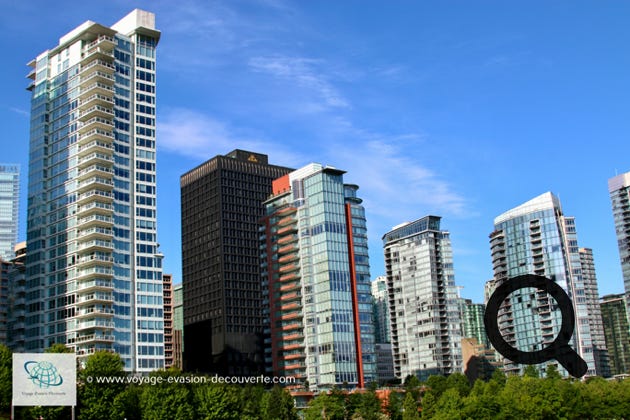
(355, 298)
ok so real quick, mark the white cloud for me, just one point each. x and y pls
(20, 111)
(196, 135)
(303, 73)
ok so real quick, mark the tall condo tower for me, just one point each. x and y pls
(423, 299)
(316, 278)
(9, 204)
(93, 267)
(619, 189)
(536, 238)
(222, 202)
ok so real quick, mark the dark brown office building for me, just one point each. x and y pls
(221, 205)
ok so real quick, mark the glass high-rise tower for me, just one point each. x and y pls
(316, 280)
(536, 238)
(619, 190)
(94, 279)
(9, 203)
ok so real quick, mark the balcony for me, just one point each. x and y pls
(288, 258)
(95, 195)
(94, 272)
(97, 52)
(94, 324)
(95, 298)
(95, 182)
(97, 136)
(97, 65)
(94, 233)
(96, 76)
(95, 285)
(94, 100)
(95, 170)
(95, 208)
(96, 111)
(97, 88)
(101, 261)
(95, 311)
(95, 159)
(96, 123)
(105, 42)
(94, 337)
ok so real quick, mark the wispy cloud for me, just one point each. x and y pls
(303, 73)
(199, 136)
(20, 111)
(395, 185)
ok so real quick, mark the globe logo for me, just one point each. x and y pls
(43, 374)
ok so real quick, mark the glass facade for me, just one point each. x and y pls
(619, 190)
(536, 238)
(316, 273)
(426, 325)
(93, 267)
(9, 203)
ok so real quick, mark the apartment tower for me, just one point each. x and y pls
(619, 190)
(536, 238)
(316, 281)
(423, 299)
(9, 204)
(617, 333)
(222, 202)
(94, 279)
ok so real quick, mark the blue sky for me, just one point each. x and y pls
(462, 109)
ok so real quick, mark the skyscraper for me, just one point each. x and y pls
(9, 203)
(472, 322)
(380, 297)
(222, 202)
(167, 291)
(317, 280)
(425, 316)
(536, 238)
(93, 267)
(619, 189)
(617, 333)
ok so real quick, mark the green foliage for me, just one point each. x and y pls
(325, 407)
(410, 407)
(96, 399)
(278, 404)
(459, 382)
(551, 373)
(251, 402)
(58, 348)
(395, 406)
(531, 371)
(6, 378)
(216, 401)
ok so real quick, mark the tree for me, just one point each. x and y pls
(325, 407)
(216, 401)
(95, 398)
(450, 405)
(58, 348)
(6, 378)
(278, 404)
(367, 406)
(395, 406)
(551, 373)
(531, 371)
(410, 407)
(458, 382)
(251, 402)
